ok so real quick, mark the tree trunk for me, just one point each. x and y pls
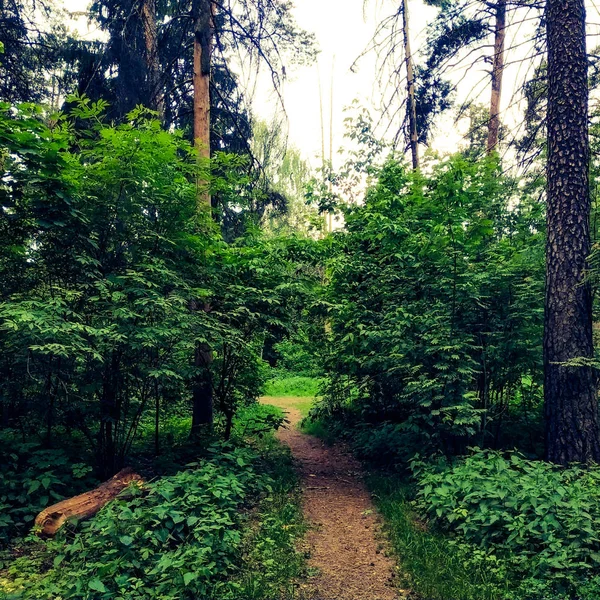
(571, 404)
(203, 40)
(410, 86)
(156, 95)
(497, 72)
(110, 415)
(202, 394)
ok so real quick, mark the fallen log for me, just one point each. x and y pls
(84, 506)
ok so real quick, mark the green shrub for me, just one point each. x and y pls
(31, 478)
(432, 566)
(178, 537)
(256, 420)
(541, 521)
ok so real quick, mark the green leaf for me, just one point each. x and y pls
(96, 585)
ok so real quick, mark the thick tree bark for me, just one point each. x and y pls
(497, 72)
(202, 393)
(410, 86)
(156, 95)
(571, 403)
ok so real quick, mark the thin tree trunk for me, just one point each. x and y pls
(571, 403)
(497, 72)
(202, 393)
(203, 40)
(148, 16)
(410, 86)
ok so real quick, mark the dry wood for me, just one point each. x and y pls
(85, 505)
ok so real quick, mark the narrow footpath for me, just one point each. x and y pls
(345, 551)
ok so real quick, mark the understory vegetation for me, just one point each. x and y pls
(433, 374)
(209, 530)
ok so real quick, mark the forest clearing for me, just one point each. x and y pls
(299, 301)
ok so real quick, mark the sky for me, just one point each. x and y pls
(343, 29)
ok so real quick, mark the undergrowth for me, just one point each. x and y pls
(223, 527)
(430, 565)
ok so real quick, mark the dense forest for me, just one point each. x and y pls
(228, 375)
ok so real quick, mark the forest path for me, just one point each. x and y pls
(343, 542)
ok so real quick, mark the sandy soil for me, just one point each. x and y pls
(345, 546)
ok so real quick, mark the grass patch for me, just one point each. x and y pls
(271, 563)
(293, 386)
(431, 565)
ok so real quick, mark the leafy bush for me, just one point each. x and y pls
(178, 537)
(297, 355)
(432, 565)
(434, 304)
(292, 386)
(256, 420)
(31, 478)
(540, 521)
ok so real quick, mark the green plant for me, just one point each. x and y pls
(178, 537)
(31, 478)
(431, 565)
(539, 521)
(434, 302)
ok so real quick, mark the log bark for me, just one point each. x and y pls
(85, 505)
(570, 395)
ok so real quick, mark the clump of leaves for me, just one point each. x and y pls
(537, 520)
(178, 537)
(31, 478)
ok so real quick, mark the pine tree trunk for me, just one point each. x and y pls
(571, 404)
(203, 40)
(202, 393)
(156, 95)
(410, 86)
(497, 72)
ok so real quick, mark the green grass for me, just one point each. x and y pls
(431, 565)
(292, 386)
(272, 563)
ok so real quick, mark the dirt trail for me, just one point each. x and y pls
(343, 543)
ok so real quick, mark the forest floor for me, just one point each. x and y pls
(346, 548)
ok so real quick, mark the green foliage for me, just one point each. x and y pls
(105, 260)
(256, 421)
(31, 478)
(431, 564)
(434, 304)
(179, 537)
(272, 563)
(530, 519)
(297, 356)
